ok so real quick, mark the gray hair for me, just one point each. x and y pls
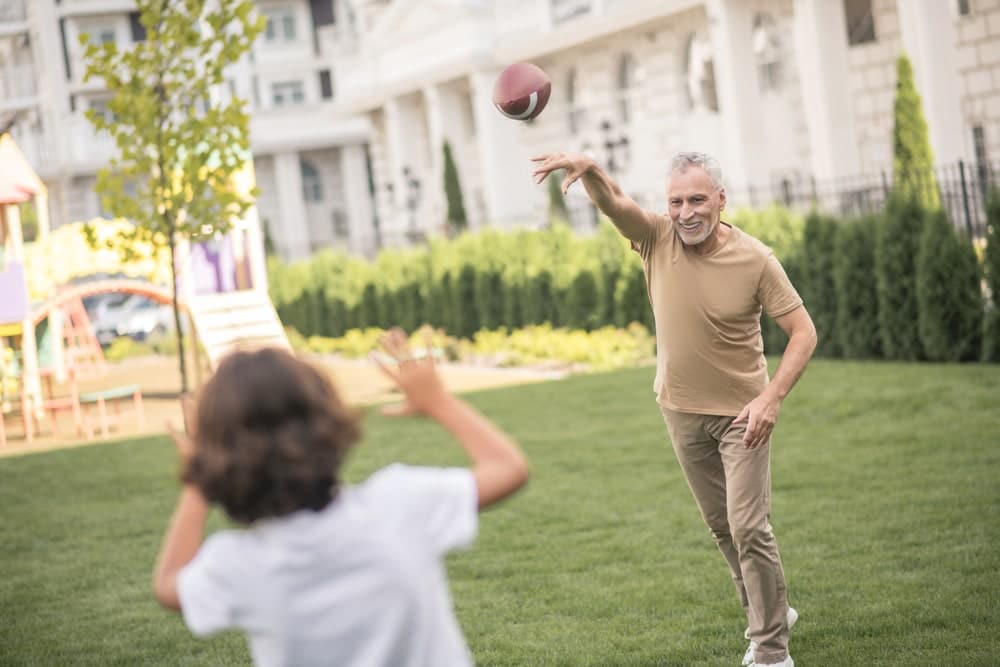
(682, 161)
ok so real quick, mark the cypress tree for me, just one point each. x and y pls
(453, 192)
(913, 160)
(818, 290)
(948, 295)
(896, 248)
(857, 297)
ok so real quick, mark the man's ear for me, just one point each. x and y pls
(722, 199)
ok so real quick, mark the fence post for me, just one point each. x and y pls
(965, 198)
(885, 185)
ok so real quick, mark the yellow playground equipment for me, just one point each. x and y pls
(44, 330)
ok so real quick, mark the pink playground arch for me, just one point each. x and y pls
(70, 294)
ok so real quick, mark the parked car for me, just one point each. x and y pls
(135, 316)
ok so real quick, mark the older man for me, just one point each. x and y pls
(708, 283)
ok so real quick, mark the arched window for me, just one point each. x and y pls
(312, 186)
(767, 52)
(699, 74)
(628, 78)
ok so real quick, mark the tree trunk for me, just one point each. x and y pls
(177, 314)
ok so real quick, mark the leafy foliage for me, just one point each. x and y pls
(181, 150)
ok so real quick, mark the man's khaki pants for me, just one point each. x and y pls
(732, 486)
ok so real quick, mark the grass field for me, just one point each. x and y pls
(886, 508)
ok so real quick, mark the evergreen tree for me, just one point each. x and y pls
(857, 297)
(948, 294)
(913, 160)
(896, 248)
(453, 192)
(179, 148)
(818, 290)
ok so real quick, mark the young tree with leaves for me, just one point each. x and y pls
(179, 146)
(913, 159)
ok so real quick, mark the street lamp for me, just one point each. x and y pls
(616, 149)
(412, 202)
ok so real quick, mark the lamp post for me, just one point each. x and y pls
(412, 203)
(616, 149)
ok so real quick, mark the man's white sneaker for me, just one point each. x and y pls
(748, 656)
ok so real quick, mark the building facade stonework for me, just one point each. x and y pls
(353, 100)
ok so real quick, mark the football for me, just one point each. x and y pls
(521, 91)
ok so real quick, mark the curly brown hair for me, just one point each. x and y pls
(271, 433)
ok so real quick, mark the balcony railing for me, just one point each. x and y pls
(17, 81)
(13, 11)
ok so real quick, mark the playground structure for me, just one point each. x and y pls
(46, 334)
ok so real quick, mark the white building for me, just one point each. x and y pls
(306, 156)
(352, 100)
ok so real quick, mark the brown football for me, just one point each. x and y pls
(521, 91)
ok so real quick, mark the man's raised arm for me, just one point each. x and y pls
(632, 221)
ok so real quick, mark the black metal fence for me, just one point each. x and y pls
(962, 190)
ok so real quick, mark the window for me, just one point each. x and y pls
(100, 107)
(699, 72)
(963, 8)
(99, 33)
(312, 186)
(628, 76)
(860, 21)
(138, 29)
(325, 84)
(280, 25)
(287, 93)
(767, 53)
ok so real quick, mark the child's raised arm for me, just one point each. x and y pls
(498, 465)
(184, 536)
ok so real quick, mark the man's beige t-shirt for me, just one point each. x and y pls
(709, 350)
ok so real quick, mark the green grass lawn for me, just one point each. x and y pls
(886, 507)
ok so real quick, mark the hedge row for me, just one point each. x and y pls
(903, 285)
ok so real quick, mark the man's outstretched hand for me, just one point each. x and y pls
(574, 164)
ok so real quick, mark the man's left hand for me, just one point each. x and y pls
(760, 414)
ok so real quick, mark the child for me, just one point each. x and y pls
(324, 573)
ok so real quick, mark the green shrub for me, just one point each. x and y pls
(896, 247)
(948, 293)
(818, 290)
(124, 347)
(466, 315)
(583, 300)
(857, 297)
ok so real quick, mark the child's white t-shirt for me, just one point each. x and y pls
(360, 583)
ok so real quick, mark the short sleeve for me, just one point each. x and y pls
(439, 504)
(647, 243)
(208, 586)
(775, 292)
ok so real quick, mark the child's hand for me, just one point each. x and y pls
(417, 378)
(184, 441)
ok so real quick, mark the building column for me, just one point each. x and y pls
(360, 214)
(730, 33)
(821, 55)
(435, 205)
(395, 218)
(293, 221)
(929, 37)
(508, 189)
